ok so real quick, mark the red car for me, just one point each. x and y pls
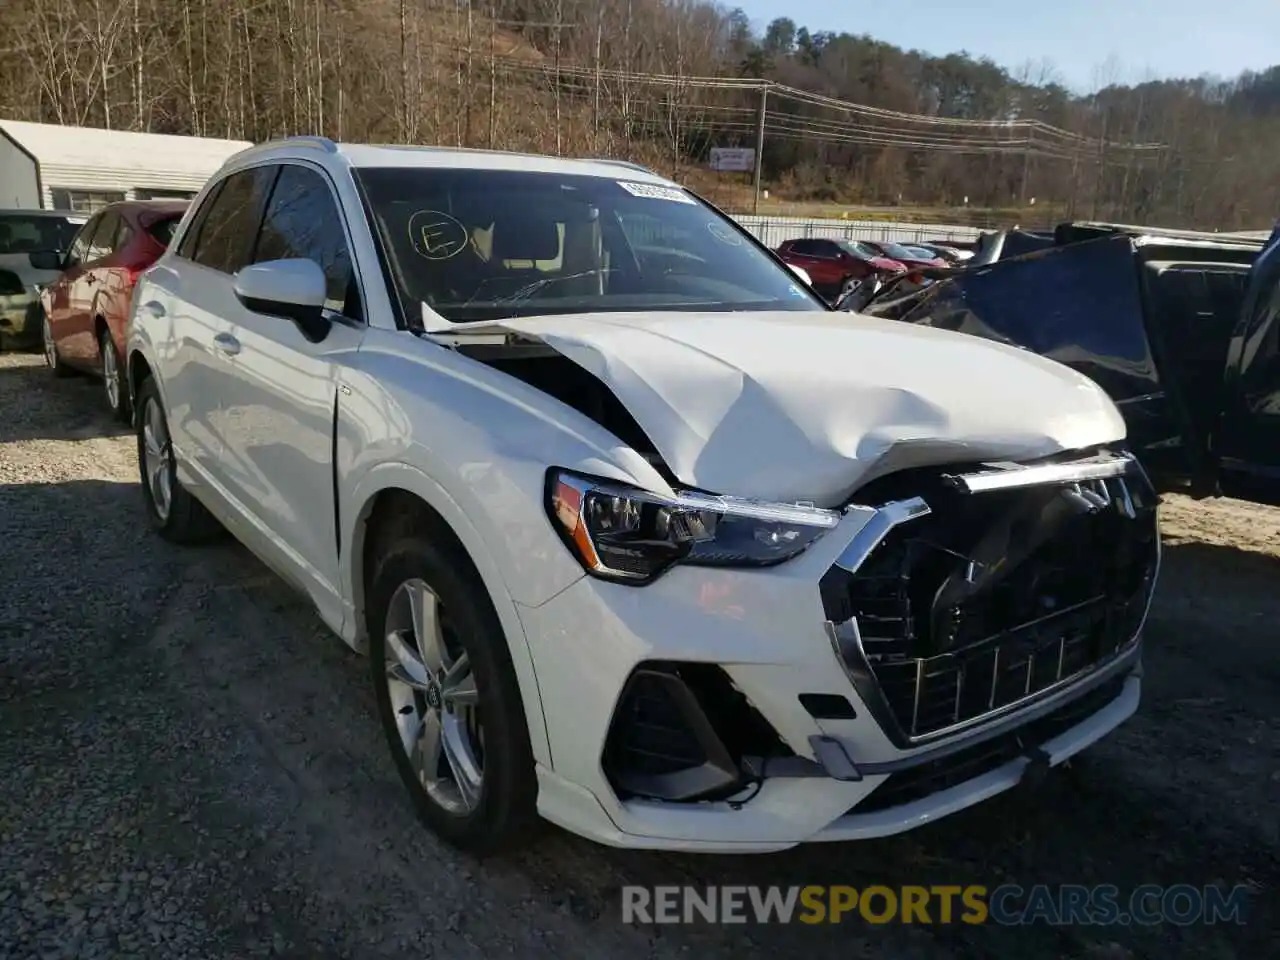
(904, 255)
(831, 263)
(87, 308)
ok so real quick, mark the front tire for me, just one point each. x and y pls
(174, 512)
(448, 697)
(113, 381)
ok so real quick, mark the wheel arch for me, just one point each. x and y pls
(386, 494)
(137, 369)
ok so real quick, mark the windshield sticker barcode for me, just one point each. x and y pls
(653, 192)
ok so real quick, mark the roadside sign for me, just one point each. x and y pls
(733, 159)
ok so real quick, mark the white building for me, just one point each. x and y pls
(48, 166)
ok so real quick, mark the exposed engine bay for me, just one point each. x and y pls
(545, 369)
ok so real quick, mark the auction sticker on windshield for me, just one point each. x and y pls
(655, 192)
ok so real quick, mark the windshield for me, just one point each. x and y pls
(857, 249)
(478, 245)
(24, 233)
(897, 251)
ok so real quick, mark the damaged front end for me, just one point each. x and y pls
(982, 611)
(999, 553)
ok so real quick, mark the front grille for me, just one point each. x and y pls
(962, 766)
(992, 599)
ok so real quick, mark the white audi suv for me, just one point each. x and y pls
(638, 535)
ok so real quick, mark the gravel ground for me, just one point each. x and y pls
(190, 765)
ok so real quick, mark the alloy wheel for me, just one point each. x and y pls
(157, 453)
(110, 373)
(434, 699)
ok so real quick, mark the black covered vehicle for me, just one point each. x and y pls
(1181, 329)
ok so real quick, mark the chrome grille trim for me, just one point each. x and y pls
(863, 657)
(1010, 476)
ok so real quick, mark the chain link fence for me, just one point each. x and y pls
(772, 231)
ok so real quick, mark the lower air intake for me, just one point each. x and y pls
(680, 732)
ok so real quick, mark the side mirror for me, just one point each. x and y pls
(293, 289)
(802, 273)
(50, 260)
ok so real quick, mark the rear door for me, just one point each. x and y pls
(79, 343)
(187, 299)
(278, 390)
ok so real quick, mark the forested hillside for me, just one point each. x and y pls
(851, 120)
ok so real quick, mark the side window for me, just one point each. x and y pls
(123, 235)
(806, 248)
(226, 236)
(302, 221)
(825, 249)
(187, 248)
(103, 242)
(80, 245)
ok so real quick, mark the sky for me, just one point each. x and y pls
(1141, 38)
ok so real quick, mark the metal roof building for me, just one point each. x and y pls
(83, 168)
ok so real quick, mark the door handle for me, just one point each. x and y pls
(227, 344)
(154, 307)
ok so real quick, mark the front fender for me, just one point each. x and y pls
(396, 475)
(138, 348)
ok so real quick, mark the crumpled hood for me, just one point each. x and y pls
(809, 406)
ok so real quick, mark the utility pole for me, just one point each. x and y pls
(764, 107)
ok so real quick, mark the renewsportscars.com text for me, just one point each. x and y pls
(1005, 905)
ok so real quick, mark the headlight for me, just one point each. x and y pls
(620, 532)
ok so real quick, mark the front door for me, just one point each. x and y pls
(278, 390)
(60, 300)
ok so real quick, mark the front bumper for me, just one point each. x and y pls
(766, 630)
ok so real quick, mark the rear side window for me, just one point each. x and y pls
(302, 221)
(226, 235)
(104, 238)
(187, 248)
(123, 235)
(80, 245)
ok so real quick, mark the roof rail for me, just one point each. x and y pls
(323, 143)
(622, 163)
